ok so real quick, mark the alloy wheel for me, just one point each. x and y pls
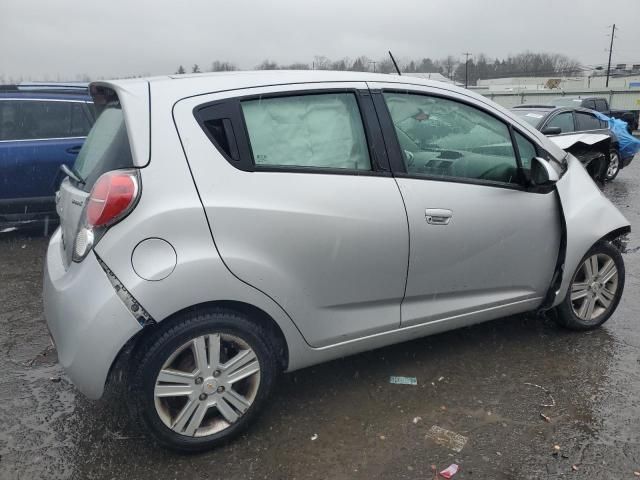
(614, 165)
(207, 384)
(594, 287)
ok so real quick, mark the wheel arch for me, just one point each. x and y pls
(118, 369)
(589, 218)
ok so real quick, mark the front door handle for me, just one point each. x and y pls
(438, 216)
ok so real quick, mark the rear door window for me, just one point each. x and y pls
(589, 104)
(42, 119)
(315, 131)
(563, 120)
(586, 121)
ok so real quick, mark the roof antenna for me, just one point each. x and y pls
(394, 63)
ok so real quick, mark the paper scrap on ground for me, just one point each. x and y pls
(404, 380)
(447, 438)
(450, 471)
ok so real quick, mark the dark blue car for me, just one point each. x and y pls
(41, 128)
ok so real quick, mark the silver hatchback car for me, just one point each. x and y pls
(219, 229)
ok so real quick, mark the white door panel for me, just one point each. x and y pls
(499, 247)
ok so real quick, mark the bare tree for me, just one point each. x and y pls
(195, 68)
(218, 66)
(267, 65)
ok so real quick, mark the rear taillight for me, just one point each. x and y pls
(112, 197)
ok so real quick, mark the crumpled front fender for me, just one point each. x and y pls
(589, 216)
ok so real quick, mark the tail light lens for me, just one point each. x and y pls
(112, 198)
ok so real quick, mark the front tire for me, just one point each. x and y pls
(614, 166)
(595, 290)
(200, 379)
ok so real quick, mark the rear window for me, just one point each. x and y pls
(601, 105)
(43, 119)
(106, 147)
(567, 102)
(533, 118)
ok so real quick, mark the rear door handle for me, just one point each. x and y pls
(438, 216)
(74, 150)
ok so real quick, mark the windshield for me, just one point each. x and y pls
(106, 147)
(532, 117)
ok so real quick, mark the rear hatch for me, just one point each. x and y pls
(106, 148)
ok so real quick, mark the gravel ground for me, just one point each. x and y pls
(471, 381)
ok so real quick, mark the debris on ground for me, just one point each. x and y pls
(556, 449)
(545, 417)
(55, 379)
(447, 438)
(574, 468)
(440, 379)
(404, 380)
(553, 401)
(382, 437)
(314, 436)
(450, 471)
(416, 419)
(637, 473)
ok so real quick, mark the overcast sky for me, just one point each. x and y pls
(63, 38)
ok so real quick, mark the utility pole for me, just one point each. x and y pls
(466, 68)
(374, 66)
(613, 32)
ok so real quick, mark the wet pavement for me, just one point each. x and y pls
(471, 381)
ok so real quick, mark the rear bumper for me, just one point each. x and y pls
(87, 320)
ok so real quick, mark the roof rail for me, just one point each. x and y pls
(70, 87)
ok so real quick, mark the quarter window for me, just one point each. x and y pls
(315, 130)
(563, 120)
(526, 149)
(441, 137)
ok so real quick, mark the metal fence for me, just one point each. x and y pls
(628, 99)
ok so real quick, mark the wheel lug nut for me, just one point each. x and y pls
(216, 373)
(203, 396)
(220, 389)
(198, 380)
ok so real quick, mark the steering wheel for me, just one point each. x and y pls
(409, 157)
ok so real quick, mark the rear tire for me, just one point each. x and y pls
(595, 289)
(201, 378)
(614, 166)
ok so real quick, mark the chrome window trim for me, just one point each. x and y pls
(40, 139)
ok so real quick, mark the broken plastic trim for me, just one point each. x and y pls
(140, 314)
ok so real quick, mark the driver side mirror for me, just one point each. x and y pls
(542, 173)
(552, 131)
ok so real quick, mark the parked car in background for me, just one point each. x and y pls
(41, 128)
(553, 121)
(600, 104)
(219, 229)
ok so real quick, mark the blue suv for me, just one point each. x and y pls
(41, 128)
